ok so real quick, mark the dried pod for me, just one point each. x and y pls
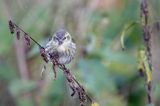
(18, 34)
(11, 26)
(43, 54)
(27, 39)
(42, 72)
(55, 69)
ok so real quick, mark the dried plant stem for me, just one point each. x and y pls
(147, 41)
(74, 85)
(146, 28)
(72, 82)
(25, 33)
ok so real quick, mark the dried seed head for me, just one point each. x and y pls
(18, 34)
(43, 54)
(27, 39)
(11, 27)
(42, 72)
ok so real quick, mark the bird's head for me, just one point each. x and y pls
(62, 37)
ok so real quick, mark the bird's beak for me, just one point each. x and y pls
(60, 42)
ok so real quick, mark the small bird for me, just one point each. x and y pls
(61, 47)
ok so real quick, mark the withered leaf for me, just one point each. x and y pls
(43, 54)
(18, 34)
(11, 26)
(27, 39)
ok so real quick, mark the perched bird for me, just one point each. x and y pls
(61, 47)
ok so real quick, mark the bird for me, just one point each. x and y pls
(61, 47)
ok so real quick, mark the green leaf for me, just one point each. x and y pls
(127, 27)
(144, 65)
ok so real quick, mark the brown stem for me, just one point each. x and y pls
(74, 84)
(147, 41)
(12, 23)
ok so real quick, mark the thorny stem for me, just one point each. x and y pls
(72, 82)
(147, 40)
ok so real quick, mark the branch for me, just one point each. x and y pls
(75, 86)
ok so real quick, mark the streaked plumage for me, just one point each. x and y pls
(61, 45)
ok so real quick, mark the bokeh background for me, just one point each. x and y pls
(108, 74)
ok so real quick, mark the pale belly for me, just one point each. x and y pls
(64, 54)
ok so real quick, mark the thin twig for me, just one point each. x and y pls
(26, 33)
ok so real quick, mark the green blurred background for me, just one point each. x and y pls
(108, 74)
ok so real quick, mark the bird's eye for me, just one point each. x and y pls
(55, 38)
(64, 38)
(68, 37)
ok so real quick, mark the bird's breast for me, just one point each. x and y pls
(65, 55)
(61, 48)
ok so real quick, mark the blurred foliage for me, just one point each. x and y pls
(109, 75)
